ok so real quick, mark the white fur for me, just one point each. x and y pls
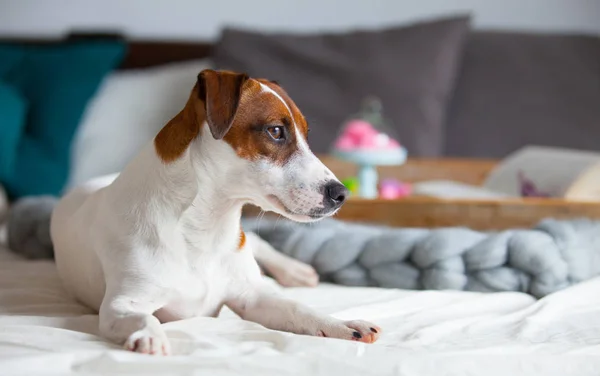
(159, 242)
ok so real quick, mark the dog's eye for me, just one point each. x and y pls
(276, 133)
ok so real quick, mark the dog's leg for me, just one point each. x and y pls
(126, 316)
(267, 308)
(287, 271)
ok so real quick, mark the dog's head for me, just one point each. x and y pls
(258, 135)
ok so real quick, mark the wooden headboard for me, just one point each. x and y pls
(140, 54)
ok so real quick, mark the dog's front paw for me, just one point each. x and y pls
(355, 330)
(148, 341)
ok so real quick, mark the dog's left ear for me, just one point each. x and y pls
(220, 91)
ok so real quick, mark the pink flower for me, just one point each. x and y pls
(359, 128)
(359, 134)
(391, 189)
(345, 143)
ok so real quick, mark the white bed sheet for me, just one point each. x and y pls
(43, 332)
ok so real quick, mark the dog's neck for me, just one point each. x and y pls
(191, 194)
(215, 213)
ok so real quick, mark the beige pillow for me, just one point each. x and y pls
(129, 109)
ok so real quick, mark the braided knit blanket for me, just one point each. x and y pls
(539, 261)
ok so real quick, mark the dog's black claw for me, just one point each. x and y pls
(357, 335)
(373, 330)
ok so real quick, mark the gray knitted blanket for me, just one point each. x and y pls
(551, 256)
(538, 261)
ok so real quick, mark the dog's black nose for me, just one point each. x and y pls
(335, 194)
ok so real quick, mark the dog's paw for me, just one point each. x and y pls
(355, 330)
(147, 341)
(293, 273)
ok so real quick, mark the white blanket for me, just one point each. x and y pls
(43, 332)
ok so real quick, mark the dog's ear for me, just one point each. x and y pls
(220, 91)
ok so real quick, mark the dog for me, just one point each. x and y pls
(162, 240)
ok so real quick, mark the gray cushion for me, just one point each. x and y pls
(411, 69)
(516, 89)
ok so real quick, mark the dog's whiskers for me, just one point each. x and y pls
(258, 219)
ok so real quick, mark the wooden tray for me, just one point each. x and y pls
(432, 212)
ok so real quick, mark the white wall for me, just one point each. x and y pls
(202, 19)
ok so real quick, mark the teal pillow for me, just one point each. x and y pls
(12, 124)
(55, 84)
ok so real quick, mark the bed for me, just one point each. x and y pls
(43, 331)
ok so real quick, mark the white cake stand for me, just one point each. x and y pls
(367, 161)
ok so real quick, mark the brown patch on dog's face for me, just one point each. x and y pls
(301, 123)
(263, 107)
(243, 112)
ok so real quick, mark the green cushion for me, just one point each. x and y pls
(12, 124)
(53, 84)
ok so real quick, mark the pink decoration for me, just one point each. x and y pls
(391, 189)
(359, 128)
(359, 134)
(345, 143)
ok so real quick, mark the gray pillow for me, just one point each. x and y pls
(516, 89)
(411, 69)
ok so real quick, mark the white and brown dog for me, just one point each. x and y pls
(162, 240)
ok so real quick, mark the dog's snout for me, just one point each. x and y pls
(335, 194)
